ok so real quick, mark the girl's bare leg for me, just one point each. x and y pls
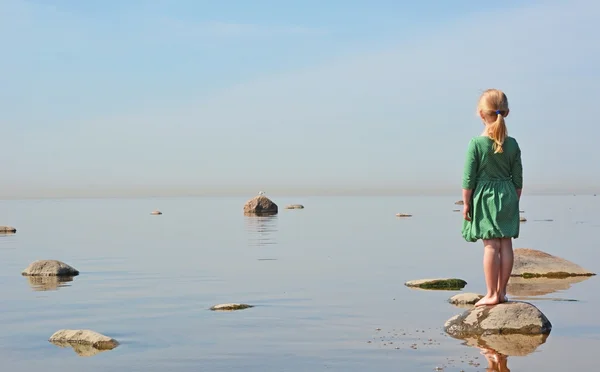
(491, 269)
(506, 266)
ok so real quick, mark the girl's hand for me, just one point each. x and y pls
(466, 212)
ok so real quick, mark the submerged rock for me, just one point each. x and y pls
(83, 341)
(403, 215)
(7, 230)
(465, 299)
(438, 283)
(531, 263)
(294, 206)
(260, 205)
(49, 268)
(230, 307)
(156, 212)
(506, 318)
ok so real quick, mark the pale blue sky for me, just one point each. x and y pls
(148, 95)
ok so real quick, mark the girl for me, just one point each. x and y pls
(492, 183)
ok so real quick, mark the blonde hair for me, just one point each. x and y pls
(493, 103)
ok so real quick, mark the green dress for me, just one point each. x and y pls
(494, 179)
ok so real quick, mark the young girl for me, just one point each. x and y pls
(492, 183)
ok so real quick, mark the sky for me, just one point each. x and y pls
(182, 97)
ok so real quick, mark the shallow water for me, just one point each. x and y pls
(323, 280)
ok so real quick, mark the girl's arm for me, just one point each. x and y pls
(470, 172)
(517, 172)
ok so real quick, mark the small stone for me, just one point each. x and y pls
(230, 307)
(438, 283)
(459, 202)
(522, 219)
(49, 268)
(84, 342)
(294, 206)
(465, 299)
(7, 230)
(156, 212)
(403, 215)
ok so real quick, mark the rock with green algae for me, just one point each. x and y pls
(437, 283)
(531, 263)
(230, 307)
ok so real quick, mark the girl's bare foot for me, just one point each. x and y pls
(502, 298)
(488, 301)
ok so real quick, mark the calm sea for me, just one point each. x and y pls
(327, 283)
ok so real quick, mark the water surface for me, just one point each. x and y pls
(326, 282)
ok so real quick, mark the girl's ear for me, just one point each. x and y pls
(481, 115)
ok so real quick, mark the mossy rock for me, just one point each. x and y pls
(450, 284)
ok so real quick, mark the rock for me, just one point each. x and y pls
(7, 230)
(48, 283)
(456, 210)
(460, 202)
(294, 206)
(403, 215)
(260, 205)
(465, 299)
(156, 212)
(531, 263)
(506, 318)
(509, 345)
(84, 342)
(522, 219)
(438, 283)
(230, 307)
(49, 268)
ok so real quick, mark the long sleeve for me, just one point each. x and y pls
(517, 170)
(470, 168)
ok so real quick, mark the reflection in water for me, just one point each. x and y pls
(49, 283)
(261, 229)
(522, 287)
(497, 348)
(83, 350)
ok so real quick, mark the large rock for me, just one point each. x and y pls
(507, 318)
(49, 268)
(438, 283)
(83, 341)
(7, 230)
(531, 263)
(260, 205)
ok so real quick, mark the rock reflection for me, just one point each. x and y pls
(49, 283)
(261, 229)
(83, 350)
(497, 348)
(522, 287)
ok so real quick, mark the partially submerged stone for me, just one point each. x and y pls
(294, 206)
(7, 230)
(156, 212)
(465, 299)
(437, 283)
(522, 219)
(506, 318)
(459, 202)
(403, 215)
(230, 307)
(83, 341)
(531, 263)
(260, 205)
(49, 268)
